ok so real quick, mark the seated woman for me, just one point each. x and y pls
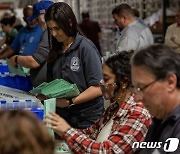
(21, 132)
(124, 121)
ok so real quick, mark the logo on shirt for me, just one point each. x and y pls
(75, 63)
(170, 145)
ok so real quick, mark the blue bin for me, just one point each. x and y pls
(38, 112)
(15, 81)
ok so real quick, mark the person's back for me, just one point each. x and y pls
(91, 30)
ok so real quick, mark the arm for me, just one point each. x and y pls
(6, 53)
(89, 94)
(25, 61)
(169, 38)
(2, 41)
(37, 58)
(126, 129)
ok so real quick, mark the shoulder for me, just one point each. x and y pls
(172, 26)
(136, 107)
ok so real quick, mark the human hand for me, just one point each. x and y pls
(12, 61)
(58, 124)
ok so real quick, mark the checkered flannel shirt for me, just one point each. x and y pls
(130, 124)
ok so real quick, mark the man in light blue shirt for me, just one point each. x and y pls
(134, 35)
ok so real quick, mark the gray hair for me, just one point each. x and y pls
(160, 60)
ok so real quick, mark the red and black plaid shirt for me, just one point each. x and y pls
(130, 124)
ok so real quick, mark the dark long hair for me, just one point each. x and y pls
(63, 15)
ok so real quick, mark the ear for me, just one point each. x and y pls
(124, 84)
(172, 82)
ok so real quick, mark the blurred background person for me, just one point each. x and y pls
(91, 30)
(156, 80)
(172, 37)
(21, 132)
(37, 61)
(124, 121)
(134, 35)
(7, 24)
(27, 39)
(75, 59)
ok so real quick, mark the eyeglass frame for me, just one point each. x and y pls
(141, 90)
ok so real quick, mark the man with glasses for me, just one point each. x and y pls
(156, 83)
(172, 37)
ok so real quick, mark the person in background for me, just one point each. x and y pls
(123, 123)
(21, 132)
(36, 61)
(75, 59)
(137, 15)
(27, 39)
(91, 30)
(7, 24)
(134, 35)
(172, 37)
(156, 80)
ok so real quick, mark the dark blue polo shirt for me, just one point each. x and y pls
(161, 130)
(81, 65)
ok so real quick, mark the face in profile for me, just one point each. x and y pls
(150, 91)
(109, 85)
(27, 13)
(119, 21)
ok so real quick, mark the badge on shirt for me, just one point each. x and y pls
(75, 63)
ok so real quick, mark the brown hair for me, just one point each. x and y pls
(21, 132)
(123, 9)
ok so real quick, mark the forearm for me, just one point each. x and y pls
(27, 61)
(6, 53)
(89, 94)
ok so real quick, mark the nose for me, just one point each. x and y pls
(53, 33)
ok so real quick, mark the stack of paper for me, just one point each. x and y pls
(18, 70)
(57, 88)
(50, 106)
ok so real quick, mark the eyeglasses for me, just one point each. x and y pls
(140, 91)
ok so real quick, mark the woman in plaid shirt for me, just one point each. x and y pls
(123, 123)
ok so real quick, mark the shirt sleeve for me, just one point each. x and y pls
(92, 66)
(42, 51)
(126, 131)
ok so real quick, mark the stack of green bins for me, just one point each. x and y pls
(57, 88)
